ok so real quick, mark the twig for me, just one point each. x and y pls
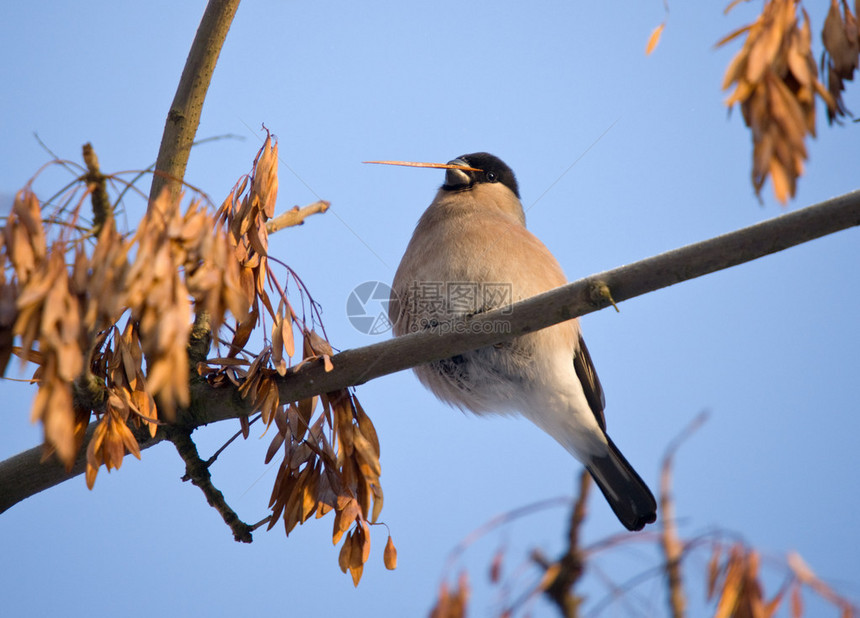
(804, 574)
(296, 216)
(69, 165)
(184, 115)
(198, 472)
(208, 463)
(500, 520)
(618, 592)
(356, 366)
(98, 190)
(673, 547)
(570, 565)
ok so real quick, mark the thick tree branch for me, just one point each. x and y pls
(200, 339)
(359, 365)
(24, 474)
(184, 115)
(581, 297)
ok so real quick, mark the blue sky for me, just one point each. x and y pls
(769, 348)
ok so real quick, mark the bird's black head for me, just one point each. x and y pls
(493, 169)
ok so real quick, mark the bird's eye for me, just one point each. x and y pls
(491, 177)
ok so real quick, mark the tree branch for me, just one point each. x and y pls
(25, 474)
(571, 564)
(581, 297)
(184, 115)
(296, 216)
(359, 365)
(198, 471)
(102, 208)
(673, 547)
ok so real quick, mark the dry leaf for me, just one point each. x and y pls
(377, 502)
(796, 602)
(731, 585)
(654, 39)
(713, 572)
(356, 573)
(840, 57)
(452, 604)
(274, 446)
(389, 556)
(496, 566)
(343, 557)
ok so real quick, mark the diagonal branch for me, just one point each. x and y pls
(359, 365)
(198, 471)
(24, 474)
(579, 298)
(184, 115)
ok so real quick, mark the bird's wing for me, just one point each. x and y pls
(590, 383)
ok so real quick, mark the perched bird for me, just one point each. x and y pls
(471, 252)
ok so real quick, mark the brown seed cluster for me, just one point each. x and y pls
(774, 80)
(106, 318)
(70, 298)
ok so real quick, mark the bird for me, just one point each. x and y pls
(471, 252)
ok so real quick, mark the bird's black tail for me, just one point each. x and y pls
(626, 492)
